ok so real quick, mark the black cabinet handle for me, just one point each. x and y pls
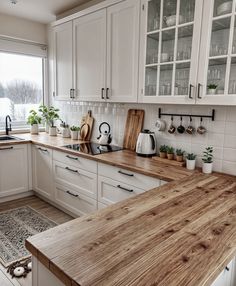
(126, 174)
(102, 93)
(71, 170)
(72, 158)
(199, 91)
(125, 189)
(43, 150)
(107, 93)
(71, 194)
(227, 268)
(7, 148)
(190, 91)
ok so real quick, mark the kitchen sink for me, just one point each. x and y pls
(8, 138)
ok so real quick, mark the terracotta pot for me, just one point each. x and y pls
(34, 129)
(170, 156)
(179, 158)
(163, 155)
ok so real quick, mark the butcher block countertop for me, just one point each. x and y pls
(123, 159)
(181, 234)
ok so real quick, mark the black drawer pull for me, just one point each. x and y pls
(71, 194)
(227, 268)
(7, 148)
(125, 189)
(72, 158)
(71, 170)
(126, 174)
(43, 150)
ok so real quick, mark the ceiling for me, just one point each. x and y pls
(43, 11)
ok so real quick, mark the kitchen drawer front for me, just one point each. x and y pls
(73, 201)
(76, 161)
(111, 191)
(75, 179)
(128, 177)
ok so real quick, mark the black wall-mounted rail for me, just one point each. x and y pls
(212, 116)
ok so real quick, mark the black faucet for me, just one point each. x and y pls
(8, 128)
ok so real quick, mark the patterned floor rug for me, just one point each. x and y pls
(16, 226)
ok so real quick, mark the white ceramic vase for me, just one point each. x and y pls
(207, 168)
(46, 127)
(211, 91)
(53, 131)
(74, 135)
(190, 164)
(34, 129)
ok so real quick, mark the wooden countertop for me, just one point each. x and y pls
(181, 234)
(123, 159)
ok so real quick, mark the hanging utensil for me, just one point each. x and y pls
(181, 128)
(190, 129)
(172, 128)
(201, 129)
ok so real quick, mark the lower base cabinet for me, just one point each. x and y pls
(227, 276)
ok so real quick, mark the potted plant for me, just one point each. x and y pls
(163, 151)
(179, 155)
(52, 117)
(74, 131)
(207, 160)
(191, 161)
(43, 109)
(170, 153)
(34, 120)
(212, 88)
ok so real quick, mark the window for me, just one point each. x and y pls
(21, 87)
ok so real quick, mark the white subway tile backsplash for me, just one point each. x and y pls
(221, 134)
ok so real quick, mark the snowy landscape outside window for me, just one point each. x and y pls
(21, 87)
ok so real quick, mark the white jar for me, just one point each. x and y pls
(207, 168)
(34, 129)
(53, 131)
(74, 135)
(190, 164)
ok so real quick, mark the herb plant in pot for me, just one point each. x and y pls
(163, 151)
(179, 155)
(212, 88)
(34, 120)
(207, 160)
(74, 132)
(170, 153)
(191, 161)
(43, 109)
(52, 117)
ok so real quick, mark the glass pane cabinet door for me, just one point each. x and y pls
(217, 77)
(170, 40)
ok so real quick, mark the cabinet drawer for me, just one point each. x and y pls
(75, 179)
(111, 191)
(74, 201)
(128, 177)
(75, 161)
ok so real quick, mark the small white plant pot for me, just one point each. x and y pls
(207, 168)
(190, 164)
(74, 135)
(46, 127)
(211, 91)
(53, 131)
(34, 129)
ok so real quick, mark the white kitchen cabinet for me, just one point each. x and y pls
(90, 56)
(227, 276)
(63, 61)
(122, 51)
(14, 176)
(42, 171)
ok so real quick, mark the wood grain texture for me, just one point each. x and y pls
(88, 119)
(169, 162)
(183, 233)
(134, 125)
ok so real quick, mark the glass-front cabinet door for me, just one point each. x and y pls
(170, 37)
(217, 66)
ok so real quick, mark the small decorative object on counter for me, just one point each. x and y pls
(34, 120)
(212, 88)
(191, 161)
(179, 155)
(65, 130)
(207, 160)
(170, 153)
(163, 151)
(52, 117)
(74, 132)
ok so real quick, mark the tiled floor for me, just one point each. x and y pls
(42, 207)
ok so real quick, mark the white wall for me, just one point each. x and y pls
(221, 133)
(22, 29)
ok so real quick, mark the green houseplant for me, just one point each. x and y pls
(207, 160)
(74, 131)
(179, 155)
(34, 120)
(43, 109)
(191, 161)
(163, 151)
(53, 115)
(170, 153)
(212, 88)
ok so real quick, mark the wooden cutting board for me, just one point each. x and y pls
(134, 125)
(88, 120)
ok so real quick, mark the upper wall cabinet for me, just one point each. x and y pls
(63, 60)
(170, 36)
(217, 65)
